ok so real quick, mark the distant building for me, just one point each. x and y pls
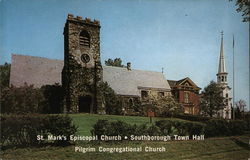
(222, 81)
(186, 92)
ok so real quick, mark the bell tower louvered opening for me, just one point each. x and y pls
(84, 39)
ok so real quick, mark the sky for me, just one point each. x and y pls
(181, 36)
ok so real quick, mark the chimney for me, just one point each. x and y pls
(129, 66)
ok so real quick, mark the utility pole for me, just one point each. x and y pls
(233, 82)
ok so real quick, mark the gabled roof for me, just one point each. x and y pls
(128, 82)
(39, 71)
(35, 71)
(182, 82)
(172, 83)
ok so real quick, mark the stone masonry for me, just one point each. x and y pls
(82, 71)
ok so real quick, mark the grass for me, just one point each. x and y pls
(227, 148)
(223, 148)
(86, 121)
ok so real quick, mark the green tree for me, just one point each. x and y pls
(111, 100)
(163, 106)
(211, 100)
(22, 100)
(5, 75)
(244, 7)
(117, 62)
(53, 95)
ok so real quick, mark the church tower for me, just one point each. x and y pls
(222, 81)
(82, 71)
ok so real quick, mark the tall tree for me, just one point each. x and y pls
(111, 99)
(244, 7)
(240, 109)
(117, 62)
(211, 100)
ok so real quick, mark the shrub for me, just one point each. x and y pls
(105, 127)
(176, 127)
(247, 120)
(192, 117)
(120, 128)
(100, 128)
(27, 99)
(23, 129)
(221, 127)
(153, 131)
(53, 98)
(237, 127)
(212, 128)
(165, 126)
(21, 100)
(140, 129)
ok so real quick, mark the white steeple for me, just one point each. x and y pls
(222, 74)
(222, 65)
(222, 81)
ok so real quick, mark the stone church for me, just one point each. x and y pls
(81, 72)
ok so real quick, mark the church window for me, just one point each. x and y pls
(227, 95)
(160, 94)
(84, 39)
(186, 97)
(144, 94)
(222, 78)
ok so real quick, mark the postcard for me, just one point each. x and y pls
(124, 80)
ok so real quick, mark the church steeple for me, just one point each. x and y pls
(222, 65)
(222, 74)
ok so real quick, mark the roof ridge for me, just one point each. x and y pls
(132, 69)
(15, 54)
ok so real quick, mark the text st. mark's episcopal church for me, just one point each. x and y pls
(81, 73)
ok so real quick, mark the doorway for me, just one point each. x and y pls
(85, 103)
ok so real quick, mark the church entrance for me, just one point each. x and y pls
(85, 103)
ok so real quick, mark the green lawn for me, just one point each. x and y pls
(223, 148)
(227, 148)
(86, 121)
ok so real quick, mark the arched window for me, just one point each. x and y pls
(84, 39)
